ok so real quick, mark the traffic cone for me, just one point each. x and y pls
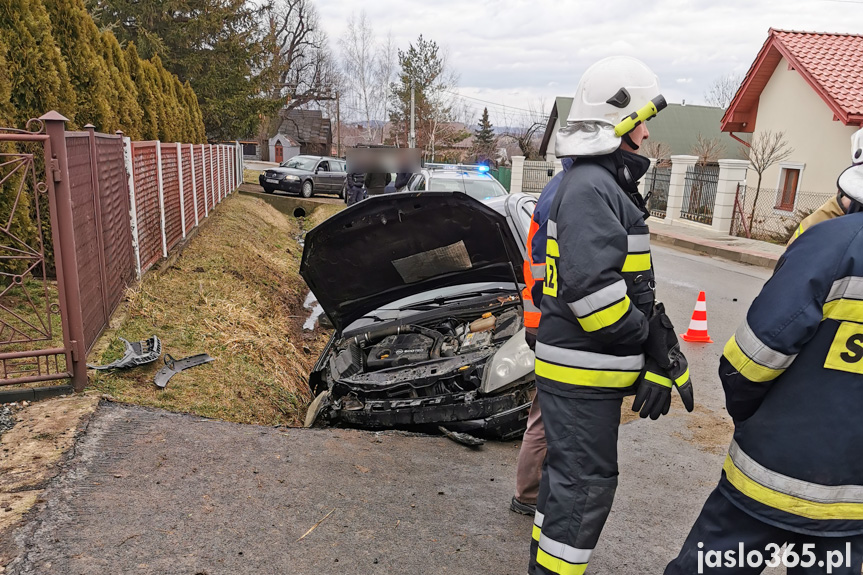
(697, 331)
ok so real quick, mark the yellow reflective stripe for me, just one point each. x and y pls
(682, 379)
(636, 263)
(587, 377)
(560, 566)
(605, 317)
(551, 248)
(789, 503)
(536, 533)
(844, 310)
(746, 366)
(656, 378)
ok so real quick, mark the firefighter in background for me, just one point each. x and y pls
(793, 381)
(532, 451)
(602, 335)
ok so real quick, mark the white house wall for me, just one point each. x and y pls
(789, 104)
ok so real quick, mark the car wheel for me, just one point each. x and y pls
(268, 190)
(343, 194)
(308, 190)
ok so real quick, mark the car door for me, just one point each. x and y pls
(340, 175)
(323, 182)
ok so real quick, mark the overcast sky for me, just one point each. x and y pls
(523, 52)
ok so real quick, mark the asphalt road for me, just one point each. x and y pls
(152, 492)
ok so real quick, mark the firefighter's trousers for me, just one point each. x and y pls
(722, 531)
(579, 478)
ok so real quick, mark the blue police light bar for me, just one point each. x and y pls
(482, 168)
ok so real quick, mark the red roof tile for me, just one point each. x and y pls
(832, 64)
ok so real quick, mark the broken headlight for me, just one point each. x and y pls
(512, 362)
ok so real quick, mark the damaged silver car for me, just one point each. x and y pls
(424, 292)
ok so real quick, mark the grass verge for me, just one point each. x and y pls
(235, 293)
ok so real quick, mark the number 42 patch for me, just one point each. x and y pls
(846, 352)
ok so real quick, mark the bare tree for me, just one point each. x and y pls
(767, 149)
(299, 66)
(524, 128)
(386, 61)
(722, 90)
(358, 60)
(708, 150)
(659, 151)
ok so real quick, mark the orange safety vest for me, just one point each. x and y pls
(532, 273)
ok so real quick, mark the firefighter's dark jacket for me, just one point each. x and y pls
(598, 288)
(793, 380)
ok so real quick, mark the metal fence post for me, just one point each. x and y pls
(219, 172)
(212, 171)
(161, 198)
(133, 208)
(194, 181)
(66, 257)
(182, 191)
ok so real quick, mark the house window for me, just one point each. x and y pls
(789, 184)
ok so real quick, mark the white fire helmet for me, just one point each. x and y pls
(609, 91)
(851, 180)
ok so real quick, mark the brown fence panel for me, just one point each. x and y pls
(147, 203)
(199, 181)
(188, 188)
(171, 195)
(116, 232)
(93, 299)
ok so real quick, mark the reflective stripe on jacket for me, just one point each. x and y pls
(598, 286)
(793, 380)
(827, 211)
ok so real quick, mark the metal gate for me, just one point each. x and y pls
(536, 176)
(699, 193)
(656, 182)
(41, 328)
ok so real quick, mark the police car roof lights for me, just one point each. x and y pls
(481, 168)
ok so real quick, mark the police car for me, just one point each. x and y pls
(473, 180)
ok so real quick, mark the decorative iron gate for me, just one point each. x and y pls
(41, 336)
(536, 176)
(656, 183)
(699, 193)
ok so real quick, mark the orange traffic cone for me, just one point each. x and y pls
(697, 331)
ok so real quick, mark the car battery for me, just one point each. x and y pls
(400, 349)
(474, 341)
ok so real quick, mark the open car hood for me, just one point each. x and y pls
(396, 245)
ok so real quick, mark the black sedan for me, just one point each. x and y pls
(306, 176)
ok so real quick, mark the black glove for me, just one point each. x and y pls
(653, 394)
(663, 347)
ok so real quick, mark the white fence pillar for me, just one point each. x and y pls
(194, 182)
(219, 171)
(161, 198)
(204, 178)
(182, 189)
(731, 173)
(517, 180)
(212, 179)
(133, 208)
(677, 185)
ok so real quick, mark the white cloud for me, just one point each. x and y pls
(515, 52)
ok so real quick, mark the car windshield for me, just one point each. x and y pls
(301, 163)
(477, 189)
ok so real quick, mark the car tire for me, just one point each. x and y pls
(343, 194)
(308, 189)
(268, 190)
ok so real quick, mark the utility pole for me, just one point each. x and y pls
(338, 129)
(412, 140)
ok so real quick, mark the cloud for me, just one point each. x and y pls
(515, 51)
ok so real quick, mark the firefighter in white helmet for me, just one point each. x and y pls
(793, 381)
(602, 335)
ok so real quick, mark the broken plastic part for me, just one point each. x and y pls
(460, 437)
(174, 366)
(136, 353)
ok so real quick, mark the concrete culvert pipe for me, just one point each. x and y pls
(299, 212)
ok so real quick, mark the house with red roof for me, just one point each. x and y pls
(809, 86)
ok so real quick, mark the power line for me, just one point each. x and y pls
(533, 112)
